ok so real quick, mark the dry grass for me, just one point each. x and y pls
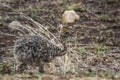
(65, 63)
(72, 60)
(68, 62)
(46, 77)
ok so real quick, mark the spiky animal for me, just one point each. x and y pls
(37, 50)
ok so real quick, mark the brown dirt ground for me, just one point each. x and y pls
(95, 32)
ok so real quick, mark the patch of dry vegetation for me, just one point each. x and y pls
(93, 48)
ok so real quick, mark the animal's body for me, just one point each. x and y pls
(35, 50)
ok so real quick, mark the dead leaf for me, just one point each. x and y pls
(69, 16)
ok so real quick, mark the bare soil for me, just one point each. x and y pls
(97, 32)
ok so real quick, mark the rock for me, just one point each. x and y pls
(69, 16)
(15, 25)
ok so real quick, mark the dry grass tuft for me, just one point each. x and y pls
(65, 63)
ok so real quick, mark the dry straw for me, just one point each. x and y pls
(68, 62)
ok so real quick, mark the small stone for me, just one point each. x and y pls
(15, 25)
(69, 16)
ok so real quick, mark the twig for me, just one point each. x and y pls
(2, 33)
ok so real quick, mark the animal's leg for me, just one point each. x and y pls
(41, 68)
